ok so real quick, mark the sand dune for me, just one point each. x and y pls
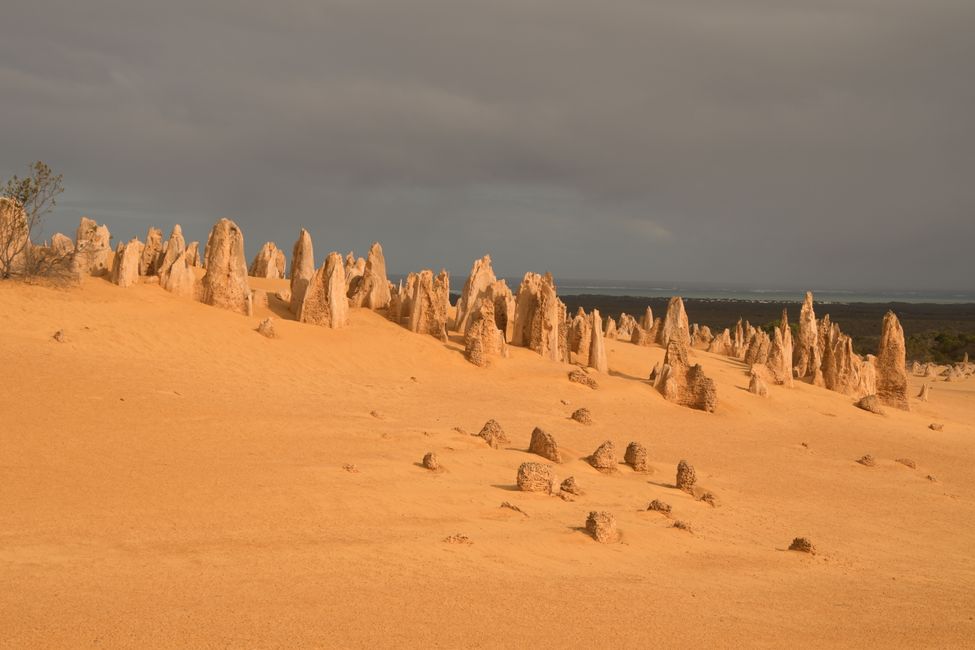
(169, 478)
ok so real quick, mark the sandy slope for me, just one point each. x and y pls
(169, 478)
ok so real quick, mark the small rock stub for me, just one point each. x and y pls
(636, 457)
(686, 476)
(659, 506)
(604, 458)
(431, 462)
(266, 328)
(493, 434)
(601, 526)
(579, 376)
(803, 545)
(582, 416)
(570, 486)
(536, 477)
(544, 445)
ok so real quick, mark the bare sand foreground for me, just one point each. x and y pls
(169, 478)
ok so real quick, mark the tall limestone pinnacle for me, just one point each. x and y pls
(891, 364)
(225, 283)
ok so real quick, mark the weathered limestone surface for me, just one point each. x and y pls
(125, 267)
(430, 303)
(683, 384)
(674, 323)
(302, 269)
(371, 289)
(539, 316)
(93, 247)
(268, 263)
(225, 283)
(597, 349)
(891, 364)
(175, 246)
(151, 252)
(325, 302)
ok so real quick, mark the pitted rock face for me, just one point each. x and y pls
(602, 526)
(636, 457)
(686, 476)
(536, 477)
(543, 444)
(604, 458)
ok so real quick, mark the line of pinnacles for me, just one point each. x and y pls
(489, 316)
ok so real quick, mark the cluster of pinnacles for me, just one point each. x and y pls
(489, 316)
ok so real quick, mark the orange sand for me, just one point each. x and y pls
(169, 478)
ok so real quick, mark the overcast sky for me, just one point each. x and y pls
(768, 142)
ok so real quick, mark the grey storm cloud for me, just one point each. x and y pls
(772, 143)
